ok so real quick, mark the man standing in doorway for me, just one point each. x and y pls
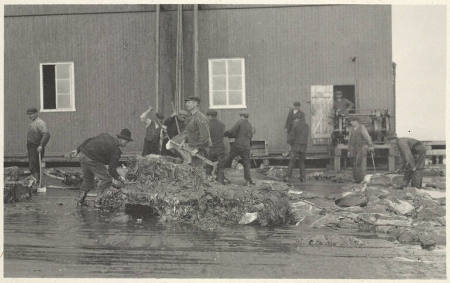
(197, 130)
(97, 152)
(242, 132)
(298, 140)
(37, 138)
(412, 153)
(152, 132)
(359, 143)
(217, 149)
(342, 105)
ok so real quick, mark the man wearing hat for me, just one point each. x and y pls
(153, 130)
(412, 153)
(97, 152)
(242, 132)
(359, 143)
(217, 149)
(196, 130)
(293, 113)
(37, 138)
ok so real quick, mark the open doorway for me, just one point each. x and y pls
(348, 93)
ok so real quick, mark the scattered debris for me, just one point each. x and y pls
(18, 185)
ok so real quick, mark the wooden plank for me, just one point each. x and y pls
(321, 113)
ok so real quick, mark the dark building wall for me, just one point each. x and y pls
(113, 57)
(287, 50)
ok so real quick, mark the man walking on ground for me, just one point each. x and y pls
(412, 153)
(152, 132)
(242, 132)
(293, 113)
(196, 130)
(217, 149)
(298, 140)
(37, 138)
(97, 152)
(358, 145)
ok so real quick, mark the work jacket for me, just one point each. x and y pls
(407, 148)
(197, 131)
(152, 131)
(298, 136)
(343, 105)
(291, 117)
(38, 133)
(103, 148)
(242, 132)
(359, 137)
(216, 130)
(171, 125)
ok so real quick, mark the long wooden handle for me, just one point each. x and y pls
(40, 170)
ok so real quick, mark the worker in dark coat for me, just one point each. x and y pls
(359, 144)
(293, 113)
(217, 149)
(298, 140)
(242, 132)
(153, 127)
(412, 153)
(37, 138)
(97, 152)
(196, 132)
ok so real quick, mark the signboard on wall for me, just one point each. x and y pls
(321, 113)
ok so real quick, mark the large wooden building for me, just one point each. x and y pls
(95, 68)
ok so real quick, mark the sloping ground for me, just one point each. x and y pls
(183, 193)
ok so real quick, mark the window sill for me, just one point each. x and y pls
(57, 110)
(228, 107)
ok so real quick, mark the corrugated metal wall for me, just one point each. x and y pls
(113, 57)
(287, 50)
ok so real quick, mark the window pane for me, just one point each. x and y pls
(218, 68)
(63, 71)
(63, 86)
(235, 97)
(219, 98)
(235, 83)
(234, 67)
(219, 83)
(63, 101)
(48, 88)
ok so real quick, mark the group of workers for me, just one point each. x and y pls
(201, 135)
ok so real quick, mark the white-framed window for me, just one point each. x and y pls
(57, 87)
(226, 83)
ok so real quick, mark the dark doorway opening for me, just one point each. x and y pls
(348, 92)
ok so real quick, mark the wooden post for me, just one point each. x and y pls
(157, 59)
(196, 50)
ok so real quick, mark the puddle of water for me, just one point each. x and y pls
(49, 236)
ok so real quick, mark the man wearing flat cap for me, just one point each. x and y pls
(242, 132)
(217, 149)
(359, 143)
(196, 130)
(37, 138)
(97, 152)
(153, 130)
(294, 113)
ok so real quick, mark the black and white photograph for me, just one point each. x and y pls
(224, 140)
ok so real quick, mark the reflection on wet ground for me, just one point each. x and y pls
(49, 237)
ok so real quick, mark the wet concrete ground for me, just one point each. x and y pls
(49, 236)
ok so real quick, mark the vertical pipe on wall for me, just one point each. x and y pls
(196, 50)
(157, 102)
(394, 69)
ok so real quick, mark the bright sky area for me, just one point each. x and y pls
(419, 49)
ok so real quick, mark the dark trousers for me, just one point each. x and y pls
(33, 160)
(294, 156)
(415, 177)
(197, 162)
(90, 169)
(359, 159)
(219, 156)
(245, 160)
(150, 147)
